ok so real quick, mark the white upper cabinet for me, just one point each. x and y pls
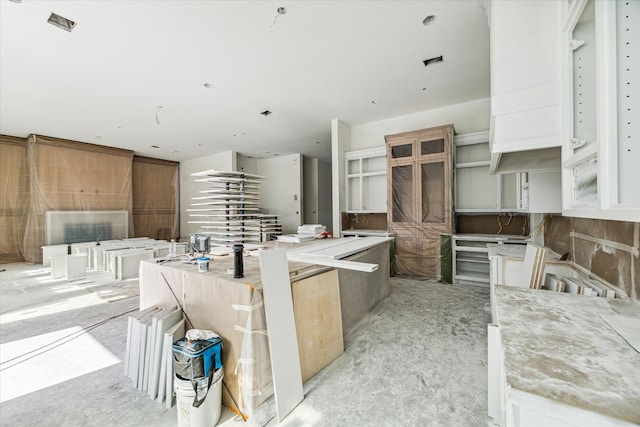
(366, 180)
(601, 141)
(526, 85)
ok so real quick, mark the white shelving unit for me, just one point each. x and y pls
(476, 190)
(471, 265)
(600, 154)
(366, 180)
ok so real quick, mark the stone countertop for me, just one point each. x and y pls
(514, 251)
(493, 237)
(366, 232)
(556, 346)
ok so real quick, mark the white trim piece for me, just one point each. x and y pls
(473, 164)
(163, 324)
(342, 248)
(283, 341)
(471, 138)
(620, 246)
(335, 263)
(367, 152)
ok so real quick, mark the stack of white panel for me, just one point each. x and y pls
(148, 360)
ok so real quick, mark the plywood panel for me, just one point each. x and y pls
(316, 302)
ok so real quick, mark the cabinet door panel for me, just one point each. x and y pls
(401, 151)
(435, 146)
(402, 193)
(433, 203)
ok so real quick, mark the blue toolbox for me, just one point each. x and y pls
(194, 359)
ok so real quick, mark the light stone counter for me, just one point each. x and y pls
(556, 347)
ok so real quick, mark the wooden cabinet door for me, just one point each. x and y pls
(419, 197)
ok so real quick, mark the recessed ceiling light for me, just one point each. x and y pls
(429, 20)
(266, 113)
(208, 85)
(61, 22)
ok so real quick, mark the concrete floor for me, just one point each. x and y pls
(422, 362)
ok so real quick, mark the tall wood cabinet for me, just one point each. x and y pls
(419, 199)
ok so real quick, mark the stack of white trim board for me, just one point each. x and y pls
(579, 286)
(229, 208)
(535, 260)
(149, 355)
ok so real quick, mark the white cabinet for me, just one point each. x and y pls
(470, 255)
(476, 190)
(600, 153)
(539, 192)
(526, 85)
(366, 180)
(479, 191)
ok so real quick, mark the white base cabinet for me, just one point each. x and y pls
(470, 263)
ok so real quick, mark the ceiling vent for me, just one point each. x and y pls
(61, 22)
(433, 60)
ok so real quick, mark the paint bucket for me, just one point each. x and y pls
(207, 414)
(203, 264)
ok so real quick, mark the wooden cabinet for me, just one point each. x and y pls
(420, 203)
(600, 154)
(366, 177)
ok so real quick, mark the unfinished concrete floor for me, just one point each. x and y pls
(421, 362)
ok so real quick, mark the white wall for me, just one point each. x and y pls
(468, 117)
(247, 164)
(324, 194)
(317, 192)
(225, 161)
(340, 142)
(282, 189)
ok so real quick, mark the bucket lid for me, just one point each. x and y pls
(204, 259)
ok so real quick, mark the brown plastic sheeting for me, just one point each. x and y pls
(43, 174)
(155, 198)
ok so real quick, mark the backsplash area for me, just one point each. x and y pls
(609, 249)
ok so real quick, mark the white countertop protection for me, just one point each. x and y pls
(514, 251)
(557, 347)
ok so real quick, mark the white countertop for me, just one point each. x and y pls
(491, 237)
(514, 251)
(557, 347)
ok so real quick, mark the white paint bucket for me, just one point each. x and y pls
(203, 264)
(207, 414)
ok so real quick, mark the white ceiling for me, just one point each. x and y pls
(128, 61)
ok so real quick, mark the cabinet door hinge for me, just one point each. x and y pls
(576, 143)
(575, 44)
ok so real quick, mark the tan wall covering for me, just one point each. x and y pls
(14, 183)
(608, 249)
(155, 198)
(43, 174)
